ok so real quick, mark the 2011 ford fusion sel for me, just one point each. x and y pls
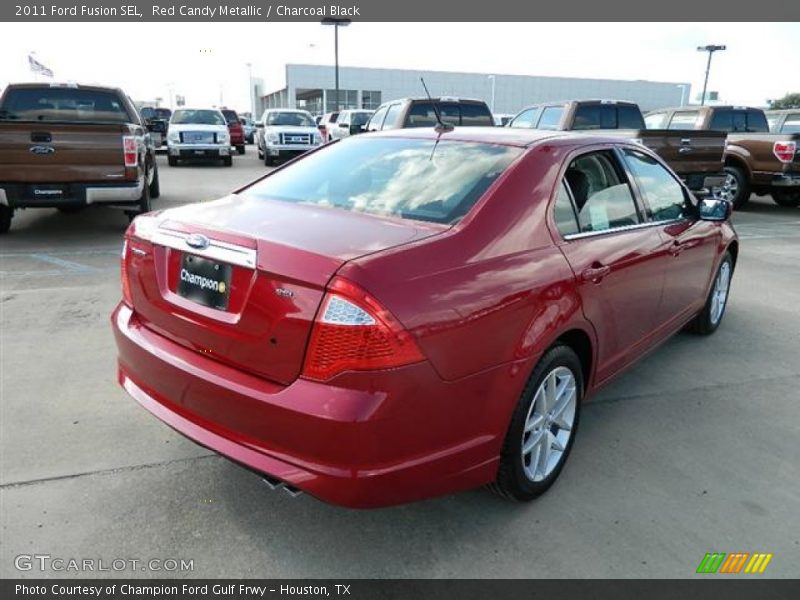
(411, 313)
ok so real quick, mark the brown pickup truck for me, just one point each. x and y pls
(695, 158)
(756, 161)
(68, 146)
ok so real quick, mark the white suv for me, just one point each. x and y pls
(198, 133)
(350, 122)
(285, 132)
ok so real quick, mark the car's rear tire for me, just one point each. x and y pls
(155, 186)
(786, 198)
(708, 320)
(227, 161)
(543, 427)
(260, 153)
(240, 149)
(172, 161)
(736, 188)
(6, 214)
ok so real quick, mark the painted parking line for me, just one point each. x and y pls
(65, 264)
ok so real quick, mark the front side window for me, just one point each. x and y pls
(664, 196)
(655, 120)
(791, 124)
(551, 117)
(526, 119)
(684, 120)
(602, 194)
(375, 122)
(407, 178)
(392, 117)
(198, 117)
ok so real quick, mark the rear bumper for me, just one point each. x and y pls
(365, 440)
(53, 195)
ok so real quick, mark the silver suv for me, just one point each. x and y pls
(285, 132)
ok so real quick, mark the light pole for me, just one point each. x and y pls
(710, 48)
(494, 80)
(336, 24)
(684, 88)
(250, 89)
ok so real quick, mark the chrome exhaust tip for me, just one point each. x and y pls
(274, 483)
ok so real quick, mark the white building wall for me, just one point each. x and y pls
(512, 92)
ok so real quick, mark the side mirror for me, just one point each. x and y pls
(715, 209)
(259, 125)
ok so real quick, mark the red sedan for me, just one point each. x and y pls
(412, 313)
(235, 129)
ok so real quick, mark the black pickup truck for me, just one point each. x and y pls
(156, 120)
(695, 157)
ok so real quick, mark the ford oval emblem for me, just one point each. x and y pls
(198, 241)
(42, 150)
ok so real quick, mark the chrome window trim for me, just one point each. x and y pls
(216, 250)
(585, 234)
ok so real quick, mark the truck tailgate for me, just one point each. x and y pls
(52, 152)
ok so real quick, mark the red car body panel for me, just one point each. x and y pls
(483, 300)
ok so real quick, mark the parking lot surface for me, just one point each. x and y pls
(694, 450)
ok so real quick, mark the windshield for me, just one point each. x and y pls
(198, 117)
(360, 118)
(407, 178)
(63, 104)
(293, 119)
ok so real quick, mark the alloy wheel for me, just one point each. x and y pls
(549, 424)
(719, 295)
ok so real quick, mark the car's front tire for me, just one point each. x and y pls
(708, 320)
(786, 198)
(227, 161)
(543, 427)
(240, 149)
(172, 161)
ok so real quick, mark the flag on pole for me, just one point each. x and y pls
(38, 67)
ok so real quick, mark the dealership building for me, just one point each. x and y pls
(312, 87)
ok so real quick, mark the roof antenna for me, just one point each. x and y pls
(441, 126)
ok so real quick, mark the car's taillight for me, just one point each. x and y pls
(131, 149)
(354, 332)
(784, 151)
(126, 284)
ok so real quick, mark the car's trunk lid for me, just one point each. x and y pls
(274, 258)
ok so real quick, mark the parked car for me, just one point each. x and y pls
(419, 112)
(156, 120)
(198, 134)
(235, 129)
(696, 158)
(407, 314)
(284, 132)
(326, 124)
(349, 122)
(756, 161)
(68, 146)
(249, 129)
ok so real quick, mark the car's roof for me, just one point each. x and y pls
(294, 110)
(443, 98)
(64, 85)
(696, 107)
(197, 108)
(495, 135)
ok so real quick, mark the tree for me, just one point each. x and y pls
(788, 101)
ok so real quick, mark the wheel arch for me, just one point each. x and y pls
(581, 343)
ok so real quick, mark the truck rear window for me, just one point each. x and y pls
(407, 178)
(63, 104)
(607, 116)
(465, 114)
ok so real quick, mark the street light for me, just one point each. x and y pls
(494, 79)
(710, 48)
(336, 24)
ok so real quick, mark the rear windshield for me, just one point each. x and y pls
(149, 112)
(63, 104)
(422, 114)
(197, 117)
(607, 116)
(410, 179)
(231, 116)
(292, 119)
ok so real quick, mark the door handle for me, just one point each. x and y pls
(677, 246)
(685, 150)
(595, 273)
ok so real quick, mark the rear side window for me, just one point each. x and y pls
(392, 117)
(63, 104)
(551, 117)
(564, 212)
(791, 124)
(407, 178)
(602, 194)
(664, 196)
(525, 119)
(684, 120)
(475, 115)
